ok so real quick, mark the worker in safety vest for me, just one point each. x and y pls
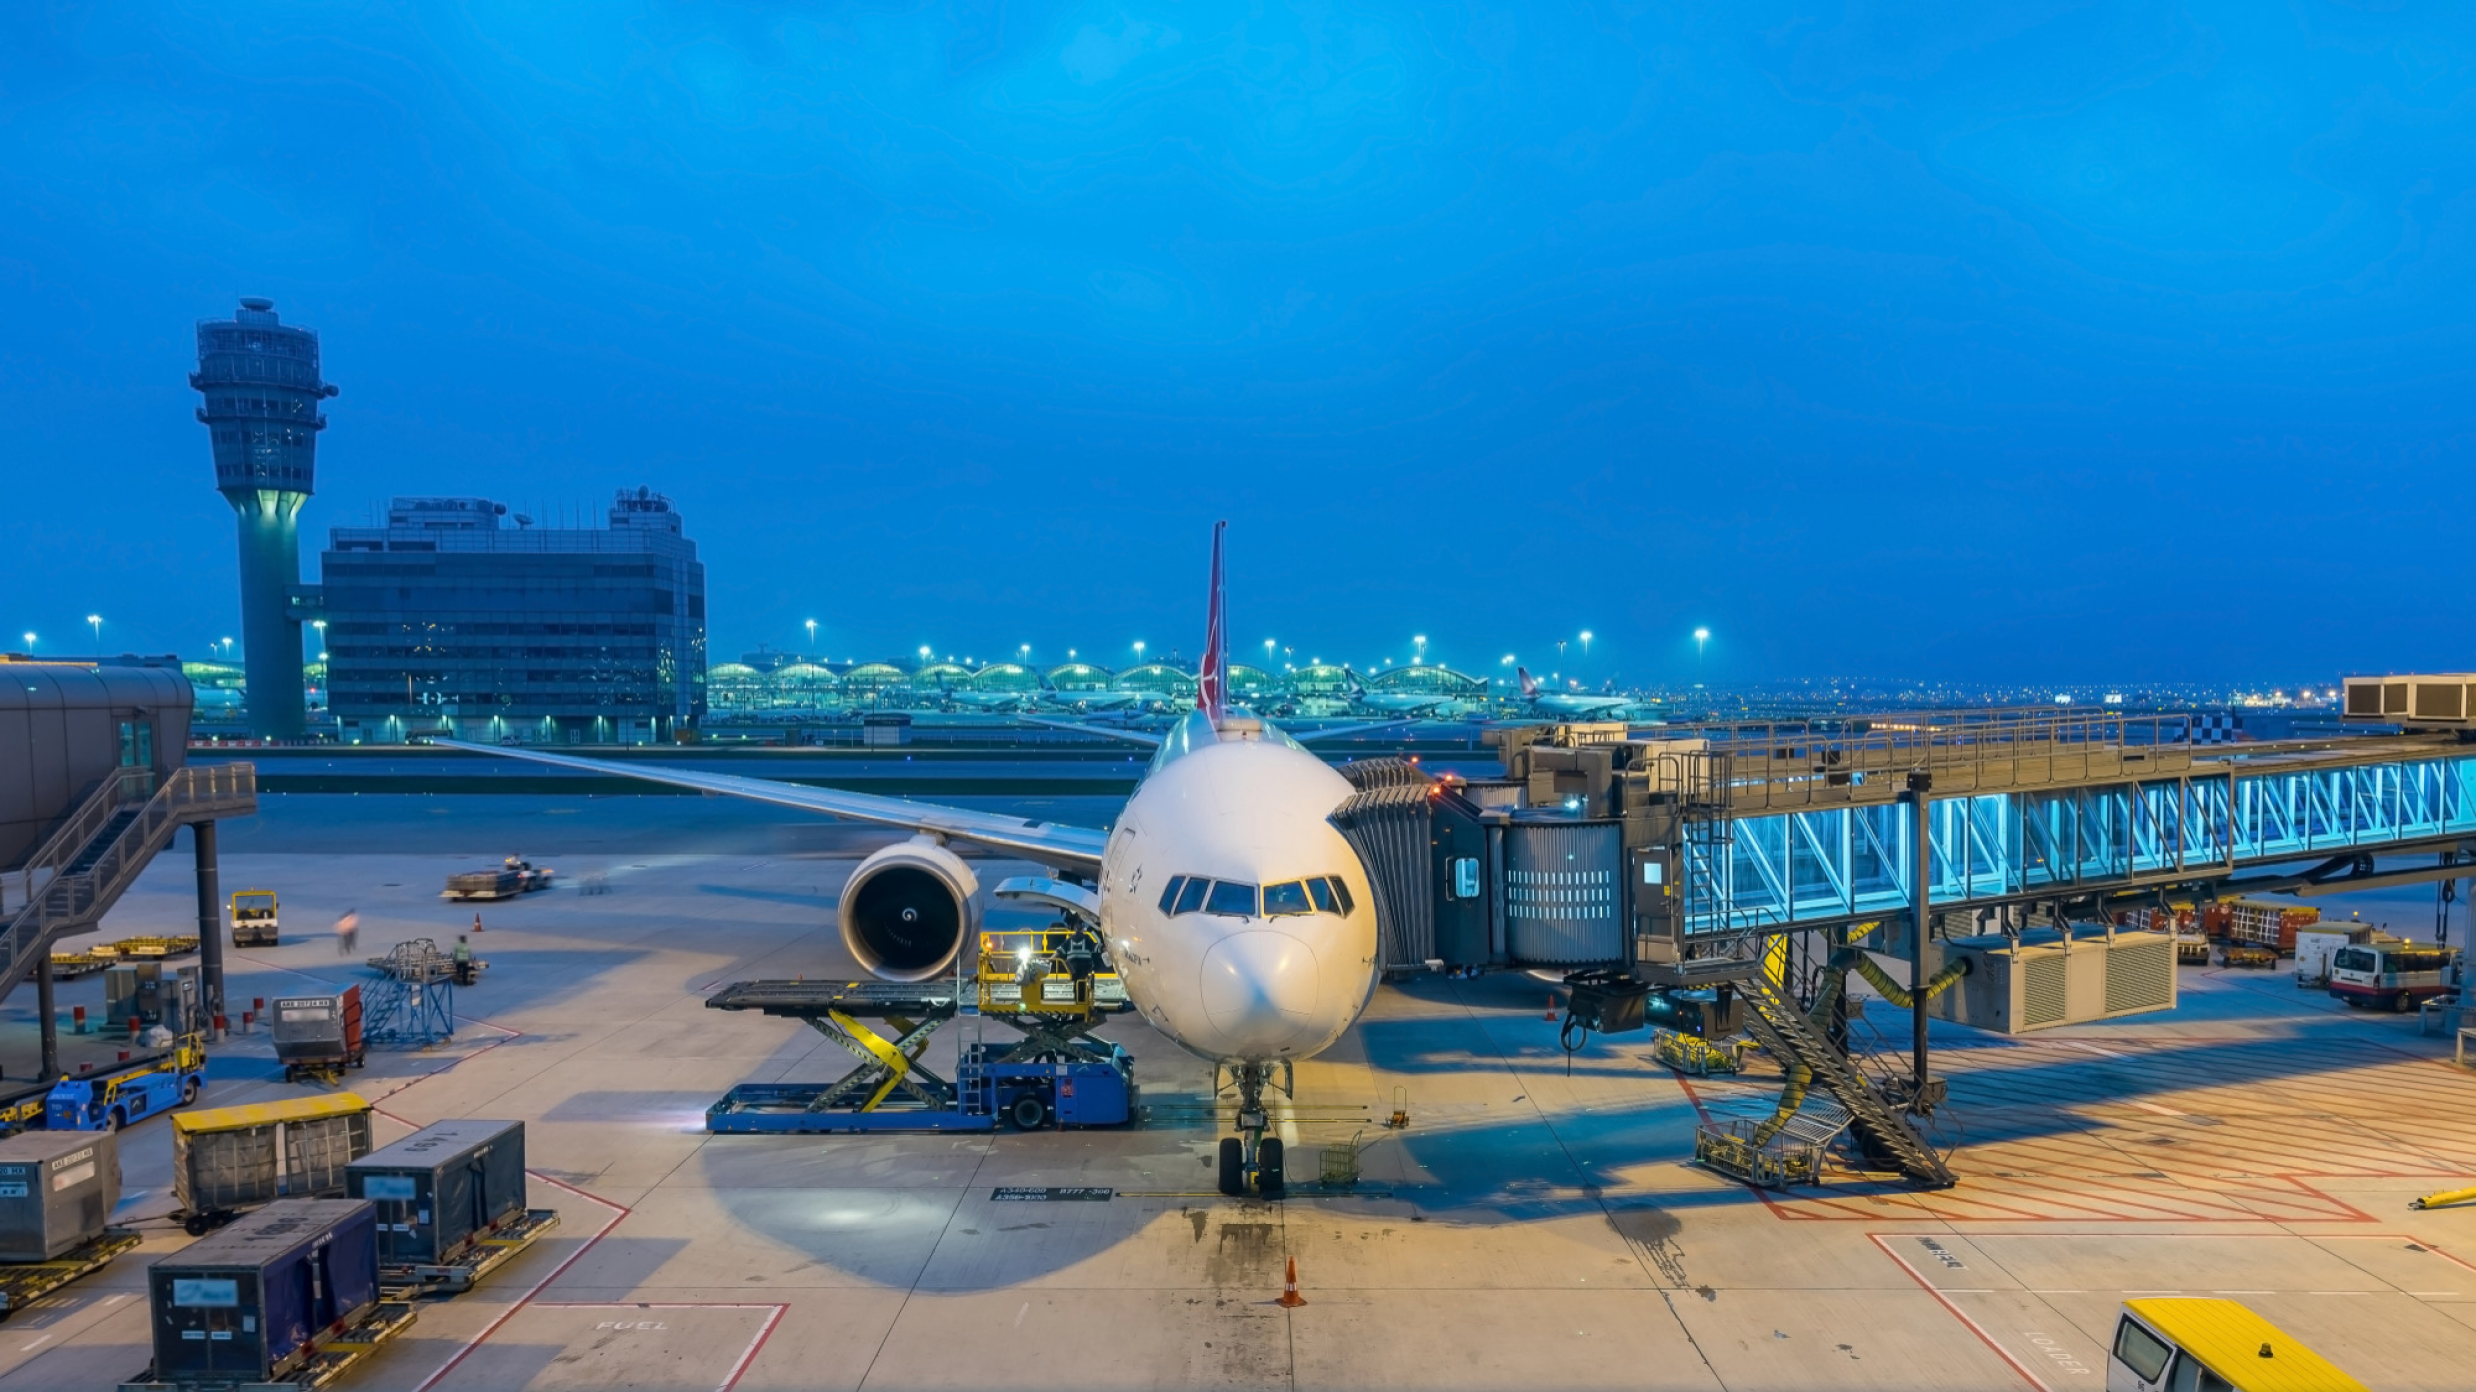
(463, 958)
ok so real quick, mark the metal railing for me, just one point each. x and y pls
(62, 894)
(1806, 763)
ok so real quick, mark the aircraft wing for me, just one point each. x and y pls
(1338, 731)
(1145, 738)
(1065, 847)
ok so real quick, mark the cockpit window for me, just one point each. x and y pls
(1341, 891)
(1230, 897)
(1288, 897)
(1169, 893)
(1322, 889)
(1191, 897)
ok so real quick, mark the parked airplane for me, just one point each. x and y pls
(1543, 702)
(1434, 705)
(1242, 922)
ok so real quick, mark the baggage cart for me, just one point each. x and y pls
(288, 1295)
(451, 1203)
(229, 1159)
(318, 1036)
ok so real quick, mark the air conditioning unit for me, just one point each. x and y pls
(2442, 701)
(2039, 982)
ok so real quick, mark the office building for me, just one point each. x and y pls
(458, 618)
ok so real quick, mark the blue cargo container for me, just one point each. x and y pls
(253, 1302)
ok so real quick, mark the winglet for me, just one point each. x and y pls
(1530, 684)
(1210, 696)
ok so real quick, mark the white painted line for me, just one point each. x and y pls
(1027, 1305)
(2154, 1107)
(27, 1348)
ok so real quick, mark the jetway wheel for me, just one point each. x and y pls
(1233, 1167)
(1269, 1176)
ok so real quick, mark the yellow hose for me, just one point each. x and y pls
(1792, 1097)
(1892, 990)
(2444, 1199)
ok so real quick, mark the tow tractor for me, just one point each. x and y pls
(131, 1091)
(1052, 985)
(513, 877)
(253, 918)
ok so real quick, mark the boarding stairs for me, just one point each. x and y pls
(1782, 1026)
(75, 877)
(1858, 1080)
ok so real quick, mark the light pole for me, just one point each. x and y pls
(30, 642)
(812, 633)
(924, 654)
(1586, 645)
(1419, 641)
(1139, 652)
(97, 621)
(227, 649)
(1268, 654)
(1702, 637)
(1026, 651)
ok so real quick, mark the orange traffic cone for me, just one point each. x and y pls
(1551, 1010)
(1290, 1298)
(476, 921)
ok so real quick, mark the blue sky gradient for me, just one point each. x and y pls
(2053, 342)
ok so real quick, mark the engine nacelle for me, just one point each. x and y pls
(909, 909)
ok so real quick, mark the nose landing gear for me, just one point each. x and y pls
(1252, 1155)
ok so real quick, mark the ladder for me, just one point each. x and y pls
(1774, 1018)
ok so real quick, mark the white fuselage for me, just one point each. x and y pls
(1247, 811)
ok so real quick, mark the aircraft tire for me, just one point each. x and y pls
(1028, 1113)
(1269, 1176)
(1233, 1167)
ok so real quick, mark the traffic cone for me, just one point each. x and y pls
(1551, 1010)
(1290, 1298)
(477, 921)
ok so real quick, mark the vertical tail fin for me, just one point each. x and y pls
(1530, 684)
(1210, 684)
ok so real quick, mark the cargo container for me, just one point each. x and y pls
(2263, 923)
(255, 1302)
(57, 1191)
(318, 1035)
(442, 1189)
(230, 1158)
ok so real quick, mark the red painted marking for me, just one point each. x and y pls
(1959, 1314)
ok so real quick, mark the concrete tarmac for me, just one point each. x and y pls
(1536, 1225)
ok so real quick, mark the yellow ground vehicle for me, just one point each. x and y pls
(2190, 1344)
(253, 918)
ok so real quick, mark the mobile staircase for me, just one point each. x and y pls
(1867, 1094)
(81, 871)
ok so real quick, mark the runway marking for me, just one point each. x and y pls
(1961, 1315)
(746, 1357)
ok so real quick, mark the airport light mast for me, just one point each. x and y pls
(260, 380)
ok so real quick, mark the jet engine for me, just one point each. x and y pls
(909, 909)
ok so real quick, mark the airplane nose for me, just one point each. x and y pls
(1258, 987)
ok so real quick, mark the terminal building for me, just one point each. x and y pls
(457, 618)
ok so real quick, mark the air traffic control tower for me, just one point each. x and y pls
(260, 380)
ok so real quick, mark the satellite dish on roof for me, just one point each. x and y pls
(524, 519)
(257, 302)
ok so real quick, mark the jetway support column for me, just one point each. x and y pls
(50, 1012)
(210, 920)
(1921, 921)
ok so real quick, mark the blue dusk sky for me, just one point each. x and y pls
(2044, 342)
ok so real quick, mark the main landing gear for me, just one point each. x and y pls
(1251, 1155)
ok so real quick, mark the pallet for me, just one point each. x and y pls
(335, 1354)
(23, 1283)
(455, 1278)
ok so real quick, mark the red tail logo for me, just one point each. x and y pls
(1530, 684)
(1210, 695)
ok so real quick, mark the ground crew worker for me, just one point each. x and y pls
(463, 957)
(347, 932)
